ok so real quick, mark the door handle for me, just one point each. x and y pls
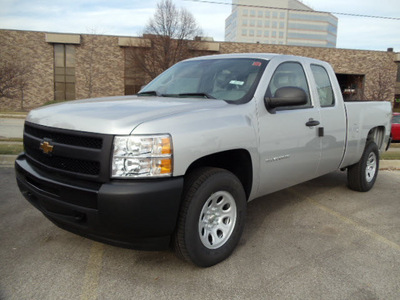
(312, 123)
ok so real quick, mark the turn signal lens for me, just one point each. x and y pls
(166, 146)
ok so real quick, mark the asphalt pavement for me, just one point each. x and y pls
(317, 240)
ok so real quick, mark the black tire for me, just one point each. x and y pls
(212, 217)
(361, 176)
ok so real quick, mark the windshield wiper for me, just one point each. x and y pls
(203, 95)
(149, 93)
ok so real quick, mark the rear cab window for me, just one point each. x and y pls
(323, 85)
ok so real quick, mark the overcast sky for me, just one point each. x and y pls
(128, 17)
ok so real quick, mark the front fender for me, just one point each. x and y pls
(201, 133)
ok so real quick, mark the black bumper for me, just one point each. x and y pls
(139, 214)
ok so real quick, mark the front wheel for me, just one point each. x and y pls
(362, 175)
(212, 216)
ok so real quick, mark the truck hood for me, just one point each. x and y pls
(116, 115)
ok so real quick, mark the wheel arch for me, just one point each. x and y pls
(376, 135)
(237, 161)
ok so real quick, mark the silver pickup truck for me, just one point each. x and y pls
(176, 164)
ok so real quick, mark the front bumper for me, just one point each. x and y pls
(139, 214)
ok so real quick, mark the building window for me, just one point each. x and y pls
(259, 23)
(398, 71)
(266, 33)
(259, 32)
(267, 14)
(64, 72)
(245, 12)
(251, 32)
(267, 24)
(281, 24)
(252, 13)
(260, 14)
(244, 22)
(244, 32)
(274, 14)
(274, 24)
(281, 34)
(282, 15)
(253, 23)
(274, 34)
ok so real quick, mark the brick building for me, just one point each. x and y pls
(76, 66)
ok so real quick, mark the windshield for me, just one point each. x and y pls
(233, 79)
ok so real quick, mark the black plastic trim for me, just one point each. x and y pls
(139, 214)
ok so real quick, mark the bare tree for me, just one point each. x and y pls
(14, 79)
(90, 72)
(383, 87)
(169, 32)
(88, 64)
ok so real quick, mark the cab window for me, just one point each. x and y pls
(324, 87)
(289, 74)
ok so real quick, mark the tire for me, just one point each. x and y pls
(212, 217)
(362, 175)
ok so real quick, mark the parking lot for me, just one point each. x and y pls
(317, 240)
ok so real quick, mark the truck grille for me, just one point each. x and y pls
(65, 163)
(63, 138)
(73, 153)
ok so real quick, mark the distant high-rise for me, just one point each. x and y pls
(285, 22)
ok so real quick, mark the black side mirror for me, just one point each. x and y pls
(286, 96)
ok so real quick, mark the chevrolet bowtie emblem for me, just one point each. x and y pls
(46, 147)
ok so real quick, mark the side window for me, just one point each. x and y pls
(289, 74)
(324, 87)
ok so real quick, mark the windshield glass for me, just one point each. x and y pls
(233, 79)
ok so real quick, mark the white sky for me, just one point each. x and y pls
(128, 17)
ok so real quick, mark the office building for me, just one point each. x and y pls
(284, 22)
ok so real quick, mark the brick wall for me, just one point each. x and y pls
(99, 67)
(100, 64)
(29, 48)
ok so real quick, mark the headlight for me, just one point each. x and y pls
(142, 156)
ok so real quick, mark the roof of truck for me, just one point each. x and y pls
(265, 56)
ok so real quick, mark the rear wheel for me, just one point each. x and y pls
(362, 175)
(212, 216)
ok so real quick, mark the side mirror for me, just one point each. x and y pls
(286, 96)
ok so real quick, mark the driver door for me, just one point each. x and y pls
(289, 147)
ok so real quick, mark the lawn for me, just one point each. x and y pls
(11, 149)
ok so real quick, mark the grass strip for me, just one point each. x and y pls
(20, 140)
(391, 155)
(11, 149)
(395, 145)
